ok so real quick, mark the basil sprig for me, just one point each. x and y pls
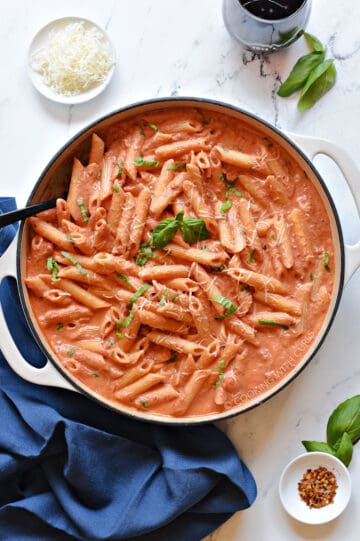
(192, 230)
(230, 308)
(342, 432)
(321, 79)
(138, 294)
(140, 162)
(312, 73)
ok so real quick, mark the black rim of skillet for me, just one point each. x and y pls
(186, 101)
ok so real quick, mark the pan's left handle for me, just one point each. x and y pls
(47, 375)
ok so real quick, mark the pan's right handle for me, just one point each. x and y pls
(313, 146)
(47, 375)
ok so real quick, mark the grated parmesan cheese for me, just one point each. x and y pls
(74, 59)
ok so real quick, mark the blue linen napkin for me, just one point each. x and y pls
(72, 470)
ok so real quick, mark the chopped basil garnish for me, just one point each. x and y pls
(229, 186)
(138, 294)
(124, 279)
(140, 162)
(206, 121)
(164, 232)
(119, 335)
(70, 352)
(54, 268)
(95, 375)
(221, 374)
(144, 403)
(172, 359)
(125, 322)
(251, 256)
(81, 204)
(218, 269)
(226, 206)
(311, 276)
(176, 166)
(230, 308)
(145, 253)
(116, 187)
(162, 301)
(70, 239)
(273, 324)
(326, 261)
(75, 262)
(151, 125)
(59, 326)
(175, 298)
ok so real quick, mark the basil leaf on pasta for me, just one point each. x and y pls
(138, 294)
(125, 322)
(140, 162)
(192, 229)
(54, 268)
(75, 262)
(320, 81)
(230, 308)
(164, 232)
(300, 73)
(82, 207)
(151, 125)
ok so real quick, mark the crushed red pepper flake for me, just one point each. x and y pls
(317, 488)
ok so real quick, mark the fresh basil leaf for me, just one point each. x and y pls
(164, 232)
(300, 73)
(314, 43)
(344, 449)
(140, 162)
(320, 446)
(82, 207)
(176, 166)
(321, 79)
(226, 206)
(124, 279)
(75, 262)
(125, 322)
(151, 125)
(193, 230)
(230, 308)
(251, 256)
(273, 324)
(144, 254)
(54, 268)
(163, 298)
(221, 374)
(345, 418)
(229, 186)
(138, 294)
(326, 262)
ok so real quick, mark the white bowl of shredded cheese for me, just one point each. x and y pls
(71, 60)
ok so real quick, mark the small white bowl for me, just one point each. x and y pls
(288, 488)
(40, 40)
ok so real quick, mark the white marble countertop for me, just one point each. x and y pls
(181, 47)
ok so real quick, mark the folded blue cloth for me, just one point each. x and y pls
(73, 470)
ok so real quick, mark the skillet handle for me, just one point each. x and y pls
(47, 375)
(313, 146)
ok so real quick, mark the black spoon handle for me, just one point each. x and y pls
(20, 214)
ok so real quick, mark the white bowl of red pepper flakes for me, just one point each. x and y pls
(315, 488)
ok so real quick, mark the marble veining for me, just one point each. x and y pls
(181, 48)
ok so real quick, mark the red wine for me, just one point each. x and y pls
(272, 9)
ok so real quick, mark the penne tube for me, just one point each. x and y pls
(210, 354)
(298, 228)
(56, 296)
(284, 304)
(62, 211)
(164, 272)
(139, 386)
(244, 214)
(166, 393)
(182, 284)
(81, 295)
(124, 226)
(276, 190)
(65, 315)
(242, 329)
(140, 215)
(262, 320)
(115, 209)
(231, 231)
(210, 259)
(241, 160)
(284, 243)
(96, 149)
(200, 207)
(176, 343)
(164, 179)
(168, 195)
(178, 148)
(157, 321)
(50, 233)
(109, 172)
(257, 280)
(92, 345)
(90, 359)
(190, 391)
(90, 278)
(36, 285)
(133, 374)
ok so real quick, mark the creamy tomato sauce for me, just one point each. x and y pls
(190, 269)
